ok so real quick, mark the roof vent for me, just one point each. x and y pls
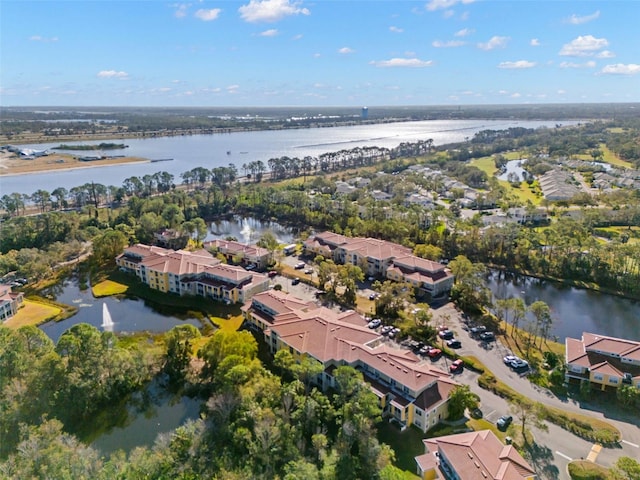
(470, 456)
(476, 464)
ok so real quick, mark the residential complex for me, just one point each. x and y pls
(10, 302)
(250, 256)
(191, 273)
(379, 258)
(605, 362)
(472, 456)
(409, 388)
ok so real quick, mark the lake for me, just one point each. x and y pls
(238, 148)
(574, 310)
(129, 315)
(249, 230)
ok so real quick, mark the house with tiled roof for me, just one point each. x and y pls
(380, 258)
(10, 302)
(247, 254)
(191, 273)
(472, 456)
(409, 388)
(605, 362)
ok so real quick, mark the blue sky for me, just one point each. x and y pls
(323, 52)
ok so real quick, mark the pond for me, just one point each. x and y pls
(515, 167)
(573, 310)
(140, 420)
(249, 230)
(128, 315)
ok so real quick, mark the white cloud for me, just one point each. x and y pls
(208, 15)
(448, 44)
(516, 95)
(578, 20)
(317, 55)
(561, 92)
(298, 37)
(534, 42)
(270, 10)
(520, 64)
(38, 38)
(272, 32)
(448, 13)
(494, 42)
(465, 32)
(346, 50)
(402, 62)
(181, 10)
(589, 64)
(112, 74)
(395, 29)
(621, 69)
(605, 54)
(444, 4)
(233, 88)
(503, 92)
(583, 46)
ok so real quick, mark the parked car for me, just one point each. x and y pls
(375, 323)
(386, 329)
(504, 422)
(309, 271)
(395, 331)
(295, 281)
(519, 364)
(425, 349)
(477, 330)
(510, 358)
(456, 366)
(476, 413)
(487, 336)
(453, 343)
(373, 296)
(417, 346)
(446, 334)
(434, 352)
(299, 266)
(272, 273)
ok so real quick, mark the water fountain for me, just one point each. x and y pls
(107, 322)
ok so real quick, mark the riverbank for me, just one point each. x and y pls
(12, 165)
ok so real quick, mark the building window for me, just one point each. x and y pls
(613, 380)
(597, 376)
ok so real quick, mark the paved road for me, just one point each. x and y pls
(560, 443)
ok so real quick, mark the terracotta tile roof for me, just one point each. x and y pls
(593, 350)
(374, 248)
(574, 349)
(478, 455)
(236, 248)
(179, 262)
(331, 238)
(281, 302)
(141, 250)
(417, 263)
(428, 461)
(606, 368)
(435, 394)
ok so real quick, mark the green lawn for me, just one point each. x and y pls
(407, 444)
(33, 313)
(107, 288)
(586, 470)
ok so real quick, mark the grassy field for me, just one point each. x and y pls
(608, 157)
(33, 313)
(523, 192)
(107, 288)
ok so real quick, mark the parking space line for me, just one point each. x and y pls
(564, 456)
(632, 444)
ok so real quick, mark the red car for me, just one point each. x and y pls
(434, 352)
(456, 366)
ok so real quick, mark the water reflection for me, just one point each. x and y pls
(574, 310)
(249, 230)
(140, 420)
(128, 315)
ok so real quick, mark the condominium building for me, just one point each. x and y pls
(471, 456)
(251, 256)
(191, 273)
(379, 258)
(605, 362)
(409, 388)
(10, 302)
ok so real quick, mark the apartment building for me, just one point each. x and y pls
(409, 388)
(250, 256)
(605, 362)
(382, 259)
(191, 273)
(471, 456)
(10, 302)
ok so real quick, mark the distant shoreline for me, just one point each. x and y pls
(10, 167)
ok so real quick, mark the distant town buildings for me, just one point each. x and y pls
(409, 389)
(604, 362)
(249, 256)
(10, 302)
(558, 185)
(472, 456)
(379, 258)
(195, 273)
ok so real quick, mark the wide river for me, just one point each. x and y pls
(216, 150)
